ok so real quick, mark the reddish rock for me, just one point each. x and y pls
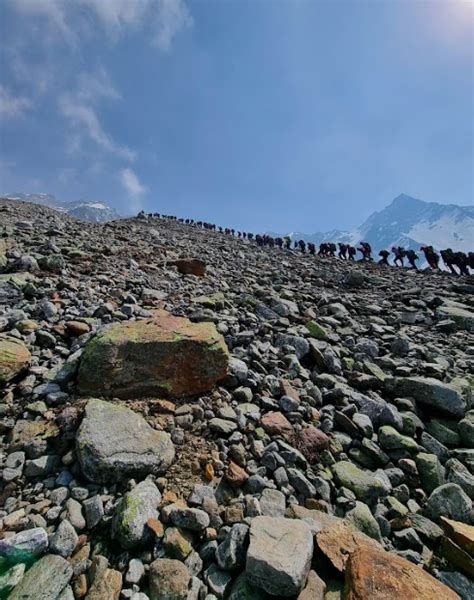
(338, 541)
(373, 573)
(235, 476)
(157, 527)
(461, 533)
(310, 442)
(163, 355)
(275, 423)
(190, 266)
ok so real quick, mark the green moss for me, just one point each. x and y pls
(316, 331)
(129, 509)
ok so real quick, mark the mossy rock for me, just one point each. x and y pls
(164, 355)
(14, 358)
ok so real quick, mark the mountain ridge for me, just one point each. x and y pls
(408, 222)
(92, 211)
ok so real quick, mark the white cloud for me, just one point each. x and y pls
(117, 15)
(84, 118)
(165, 18)
(11, 106)
(79, 107)
(133, 187)
(53, 11)
(172, 17)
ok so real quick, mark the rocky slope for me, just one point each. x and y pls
(249, 424)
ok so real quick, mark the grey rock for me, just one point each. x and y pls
(94, 511)
(136, 507)
(230, 554)
(194, 519)
(64, 540)
(430, 393)
(449, 500)
(45, 580)
(32, 542)
(114, 443)
(272, 503)
(279, 555)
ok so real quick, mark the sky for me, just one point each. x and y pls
(281, 115)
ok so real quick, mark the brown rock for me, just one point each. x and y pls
(190, 266)
(315, 588)
(106, 586)
(169, 579)
(460, 533)
(275, 423)
(27, 431)
(338, 541)
(375, 574)
(235, 476)
(152, 357)
(77, 328)
(157, 527)
(288, 390)
(458, 557)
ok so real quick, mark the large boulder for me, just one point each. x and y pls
(162, 355)
(14, 357)
(46, 580)
(373, 573)
(136, 507)
(430, 393)
(114, 443)
(279, 555)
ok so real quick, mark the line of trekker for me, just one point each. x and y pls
(462, 260)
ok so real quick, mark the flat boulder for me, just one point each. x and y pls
(373, 573)
(279, 555)
(164, 355)
(114, 443)
(430, 393)
(14, 358)
(46, 579)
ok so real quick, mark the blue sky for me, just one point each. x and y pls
(285, 115)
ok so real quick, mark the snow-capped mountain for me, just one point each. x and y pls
(410, 223)
(97, 212)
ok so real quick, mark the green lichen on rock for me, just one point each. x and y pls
(316, 331)
(164, 355)
(14, 357)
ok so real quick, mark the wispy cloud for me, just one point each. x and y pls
(54, 12)
(163, 18)
(173, 16)
(133, 187)
(80, 108)
(10, 105)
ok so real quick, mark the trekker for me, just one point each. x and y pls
(384, 260)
